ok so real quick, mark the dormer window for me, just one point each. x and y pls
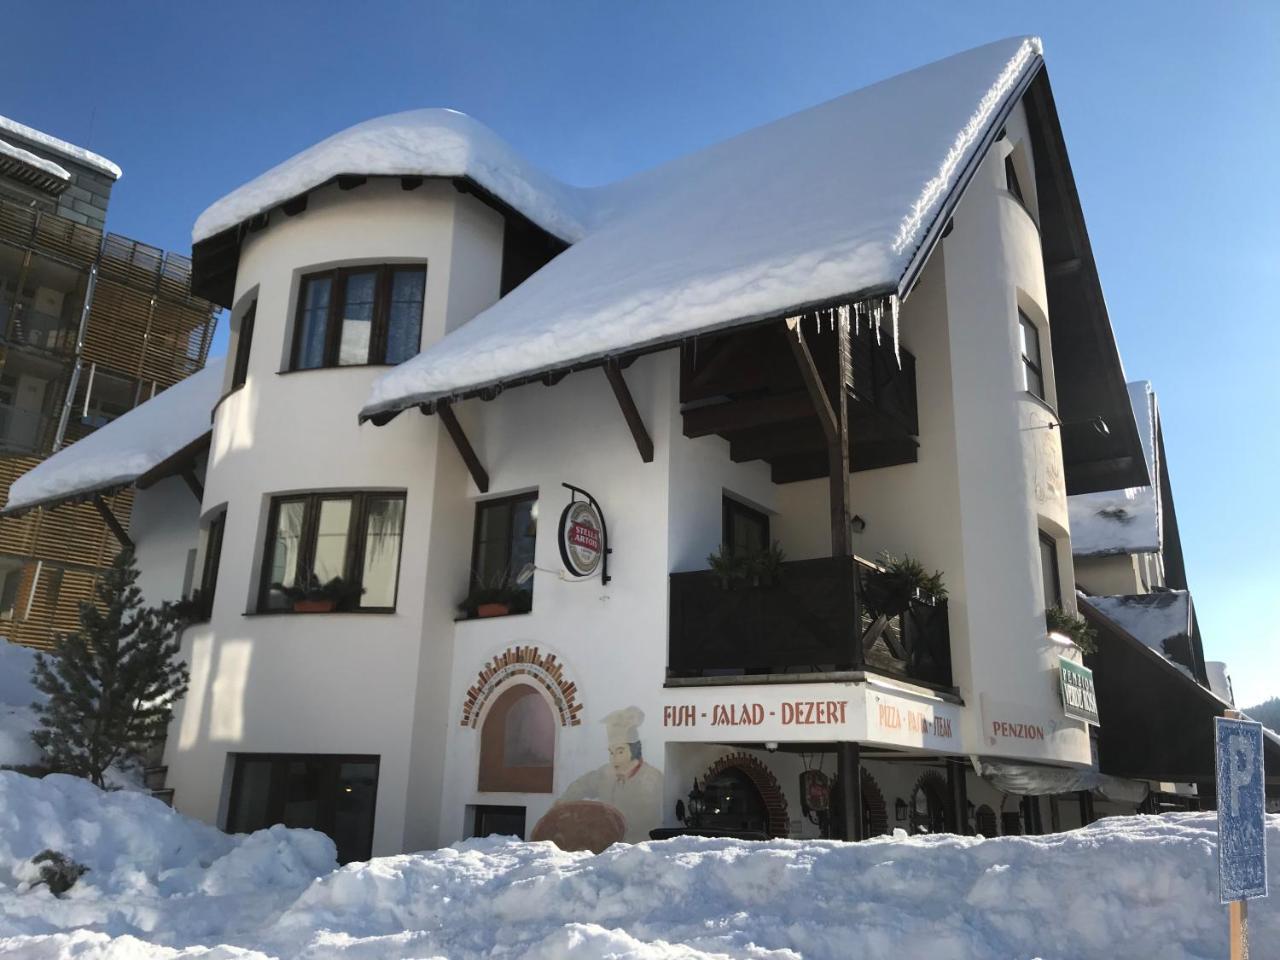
(355, 316)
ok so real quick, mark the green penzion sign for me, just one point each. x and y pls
(1078, 697)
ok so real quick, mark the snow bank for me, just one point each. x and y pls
(40, 163)
(163, 887)
(87, 157)
(1123, 521)
(128, 446)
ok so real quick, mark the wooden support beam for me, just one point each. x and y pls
(780, 440)
(110, 520)
(410, 183)
(644, 443)
(350, 181)
(849, 774)
(463, 445)
(193, 484)
(295, 206)
(812, 381)
(745, 414)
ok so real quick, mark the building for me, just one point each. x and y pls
(91, 324)
(498, 468)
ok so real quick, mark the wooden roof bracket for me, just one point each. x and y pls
(193, 484)
(644, 443)
(463, 445)
(110, 520)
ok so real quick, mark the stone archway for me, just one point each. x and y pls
(875, 812)
(764, 781)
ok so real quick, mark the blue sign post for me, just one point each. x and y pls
(1242, 804)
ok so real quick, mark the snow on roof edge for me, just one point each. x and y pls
(80, 154)
(117, 454)
(29, 158)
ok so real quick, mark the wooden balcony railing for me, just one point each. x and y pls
(815, 618)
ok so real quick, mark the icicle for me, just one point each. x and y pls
(877, 312)
(893, 309)
(844, 316)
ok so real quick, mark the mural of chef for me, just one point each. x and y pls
(626, 781)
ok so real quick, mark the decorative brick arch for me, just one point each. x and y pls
(934, 783)
(524, 662)
(762, 779)
(875, 812)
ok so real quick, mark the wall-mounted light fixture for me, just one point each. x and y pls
(857, 524)
(1098, 424)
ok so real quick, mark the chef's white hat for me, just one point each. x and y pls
(623, 725)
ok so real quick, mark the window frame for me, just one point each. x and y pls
(353, 554)
(1055, 571)
(244, 344)
(732, 506)
(379, 322)
(1012, 184)
(209, 563)
(1035, 366)
(473, 580)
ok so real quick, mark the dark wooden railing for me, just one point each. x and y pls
(813, 619)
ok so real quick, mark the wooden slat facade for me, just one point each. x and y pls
(145, 327)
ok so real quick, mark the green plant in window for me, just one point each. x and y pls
(312, 595)
(1073, 626)
(497, 590)
(731, 567)
(889, 592)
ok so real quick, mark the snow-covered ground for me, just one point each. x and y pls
(162, 886)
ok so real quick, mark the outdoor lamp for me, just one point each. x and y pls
(697, 804)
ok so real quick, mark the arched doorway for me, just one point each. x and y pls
(928, 808)
(875, 812)
(749, 792)
(518, 743)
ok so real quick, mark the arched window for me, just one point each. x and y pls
(984, 821)
(929, 807)
(518, 743)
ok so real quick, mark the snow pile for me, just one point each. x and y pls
(1129, 520)
(797, 211)
(152, 872)
(128, 446)
(161, 886)
(40, 163)
(87, 157)
(17, 720)
(433, 143)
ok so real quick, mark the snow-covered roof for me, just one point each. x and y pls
(434, 143)
(1220, 680)
(126, 448)
(79, 154)
(832, 202)
(1151, 618)
(1129, 520)
(40, 163)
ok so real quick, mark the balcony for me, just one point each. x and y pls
(825, 616)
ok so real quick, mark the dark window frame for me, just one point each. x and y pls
(730, 507)
(1029, 365)
(1055, 571)
(489, 504)
(1011, 182)
(278, 762)
(215, 530)
(379, 323)
(481, 810)
(354, 555)
(244, 344)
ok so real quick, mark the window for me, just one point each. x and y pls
(1032, 371)
(745, 530)
(315, 539)
(506, 533)
(1049, 571)
(332, 794)
(518, 743)
(359, 315)
(1011, 179)
(244, 341)
(499, 822)
(212, 555)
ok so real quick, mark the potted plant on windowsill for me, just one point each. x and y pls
(747, 568)
(312, 596)
(495, 597)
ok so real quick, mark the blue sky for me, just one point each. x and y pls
(1169, 111)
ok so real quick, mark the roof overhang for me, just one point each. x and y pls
(1156, 722)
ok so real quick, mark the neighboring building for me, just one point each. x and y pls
(90, 326)
(873, 326)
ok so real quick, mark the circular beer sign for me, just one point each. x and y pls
(581, 538)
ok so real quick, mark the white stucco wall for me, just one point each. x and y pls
(164, 526)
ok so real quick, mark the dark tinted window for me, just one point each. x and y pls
(746, 530)
(359, 315)
(1033, 372)
(506, 533)
(244, 343)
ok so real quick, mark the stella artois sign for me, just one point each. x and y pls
(581, 538)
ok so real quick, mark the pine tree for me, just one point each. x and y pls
(112, 684)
